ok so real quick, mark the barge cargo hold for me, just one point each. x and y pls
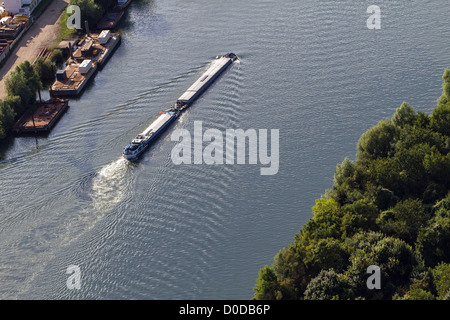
(142, 141)
(43, 119)
(198, 87)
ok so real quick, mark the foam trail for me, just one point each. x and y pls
(110, 184)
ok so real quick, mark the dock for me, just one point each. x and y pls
(72, 80)
(90, 53)
(43, 119)
(11, 31)
(97, 47)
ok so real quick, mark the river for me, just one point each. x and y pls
(157, 230)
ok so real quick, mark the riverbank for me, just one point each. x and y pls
(42, 34)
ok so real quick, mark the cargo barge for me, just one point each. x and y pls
(198, 87)
(142, 141)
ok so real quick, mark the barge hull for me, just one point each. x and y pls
(158, 127)
(206, 79)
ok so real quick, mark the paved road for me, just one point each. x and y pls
(43, 33)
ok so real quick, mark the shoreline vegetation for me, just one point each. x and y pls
(24, 84)
(389, 208)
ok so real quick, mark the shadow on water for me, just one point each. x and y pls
(5, 144)
(155, 24)
(126, 23)
(148, 5)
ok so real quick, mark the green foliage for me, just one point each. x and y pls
(422, 120)
(359, 216)
(90, 11)
(6, 118)
(329, 285)
(433, 241)
(404, 115)
(327, 220)
(344, 171)
(24, 83)
(56, 56)
(16, 84)
(440, 119)
(378, 141)
(21, 86)
(404, 220)
(395, 258)
(45, 71)
(266, 285)
(389, 208)
(325, 254)
(441, 278)
(418, 294)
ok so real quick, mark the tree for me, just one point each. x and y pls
(441, 279)
(394, 257)
(266, 284)
(6, 118)
(359, 216)
(328, 285)
(90, 11)
(404, 115)
(56, 56)
(384, 209)
(24, 83)
(16, 85)
(422, 120)
(437, 166)
(31, 78)
(405, 220)
(378, 141)
(45, 71)
(433, 241)
(440, 119)
(326, 222)
(418, 294)
(291, 272)
(344, 171)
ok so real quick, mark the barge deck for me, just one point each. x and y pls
(144, 140)
(91, 53)
(43, 119)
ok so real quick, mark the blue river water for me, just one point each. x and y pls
(156, 230)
